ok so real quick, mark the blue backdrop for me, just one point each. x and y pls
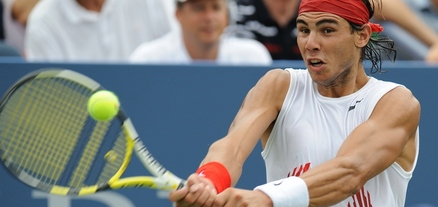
(180, 110)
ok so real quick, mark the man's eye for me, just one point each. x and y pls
(304, 30)
(198, 8)
(328, 31)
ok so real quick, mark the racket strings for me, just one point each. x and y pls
(49, 140)
(91, 148)
(48, 149)
(54, 112)
(115, 160)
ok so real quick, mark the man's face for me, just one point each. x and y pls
(203, 20)
(328, 46)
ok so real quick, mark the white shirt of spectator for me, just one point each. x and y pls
(170, 49)
(64, 30)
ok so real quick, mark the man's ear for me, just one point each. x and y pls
(363, 36)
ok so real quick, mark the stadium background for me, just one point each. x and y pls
(179, 110)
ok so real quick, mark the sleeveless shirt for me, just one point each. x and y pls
(310, 129)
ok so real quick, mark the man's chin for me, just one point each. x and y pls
(210, 42)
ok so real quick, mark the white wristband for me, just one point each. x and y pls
(288, 192)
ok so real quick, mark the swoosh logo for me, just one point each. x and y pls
(354, 106)
(279, 183)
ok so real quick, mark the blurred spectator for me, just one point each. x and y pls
(427, 10)
(272, 22)
(93, 30)
(409, 31)
(201, 37)
(15, 14)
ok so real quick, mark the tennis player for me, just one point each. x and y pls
(332, 135)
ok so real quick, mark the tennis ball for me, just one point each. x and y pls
(103, 105)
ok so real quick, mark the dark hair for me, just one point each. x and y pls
(377, 46)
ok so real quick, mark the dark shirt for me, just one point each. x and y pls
(253, 21)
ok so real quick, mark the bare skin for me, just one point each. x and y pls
(283, 11)
(389, 133)
(21, 9)
(435, 3)
(398, 12)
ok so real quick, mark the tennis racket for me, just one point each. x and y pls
(49, 141)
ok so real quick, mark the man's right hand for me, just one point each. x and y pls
(199, 191)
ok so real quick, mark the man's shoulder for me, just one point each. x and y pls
(237, 46)
(160, 42)
(54, 14)
(157, 49)
(43, 17)
(240, 43)
(45, 9)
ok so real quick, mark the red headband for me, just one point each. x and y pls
(353, 11)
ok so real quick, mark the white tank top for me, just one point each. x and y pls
(310, 129)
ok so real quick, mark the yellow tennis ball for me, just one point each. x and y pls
(103, 105)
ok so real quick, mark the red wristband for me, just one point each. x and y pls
(217, 173)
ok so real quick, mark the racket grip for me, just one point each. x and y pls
(181, 185)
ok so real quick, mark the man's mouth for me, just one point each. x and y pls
(315, 63)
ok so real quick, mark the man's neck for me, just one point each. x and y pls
(347, 85)
(201, 51)
(92, 5)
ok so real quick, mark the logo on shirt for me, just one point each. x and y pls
(279, 183)
(361, 199)
(299, 170)
(354, 106)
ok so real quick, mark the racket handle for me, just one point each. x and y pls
(181, 185)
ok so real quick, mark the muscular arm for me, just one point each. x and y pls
(258, 111)
(387, 137)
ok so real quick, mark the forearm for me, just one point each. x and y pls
(324, 185)
(244, 134)
(332, 182)
(221, 152)
(258, 111)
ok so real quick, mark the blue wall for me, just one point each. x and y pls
(190, 107)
